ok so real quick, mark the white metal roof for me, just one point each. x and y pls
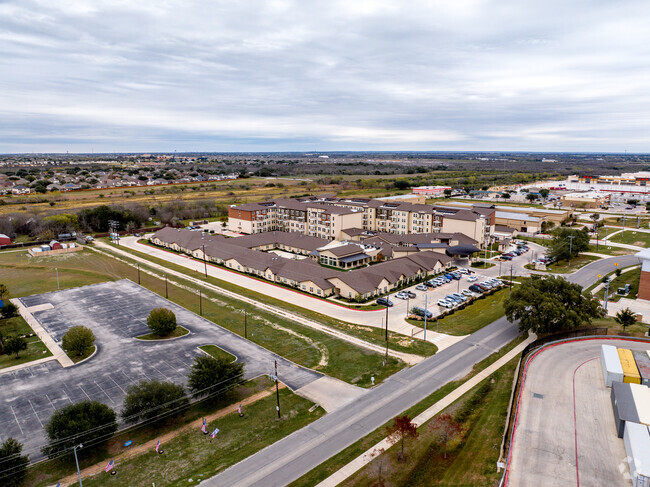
(637, 443)
(641, 395)
(516, 216)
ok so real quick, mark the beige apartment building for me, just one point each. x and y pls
(327, 217)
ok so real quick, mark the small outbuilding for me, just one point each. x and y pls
(4, 239)
(611, 364)
(643, 364)
(55, 245)
(637, 447)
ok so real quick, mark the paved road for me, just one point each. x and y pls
(589, 273)
(561, 436)
(293, 456)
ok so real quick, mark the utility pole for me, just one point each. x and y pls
(166, 294)
(623, 231)
(245, 324)
(386, 360)
(205, 263)
(277, 390)
(426, 298)
(570, 237)
(510, 290)
(200, 303)
(606, 293)
(57, 279)
(77, 461)
(138, 273)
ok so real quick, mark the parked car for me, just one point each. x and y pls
(462, 271)
(472, 278)
(432, 283)
(456, 276)
(445, 303)
(506, 257)
(449, 277)
(410, 294)
(421, 287)
(453, 299)
(468, 293)
(416, 310)
(385, 302)
(401, 295)
(475, 288)
(459, 296)
(484, 287)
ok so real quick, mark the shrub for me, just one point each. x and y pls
(14, 345)
(9, 310)
(161, 321)
(213, 376)
(88, 422)
(77, 340)
(13, 465)
(151, 399)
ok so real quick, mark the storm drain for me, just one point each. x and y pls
(538, 396)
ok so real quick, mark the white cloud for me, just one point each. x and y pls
(216, 75)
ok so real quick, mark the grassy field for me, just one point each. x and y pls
(471, 454)
(603, 248)
(639, 329)
(305, 346)
(632, 278)
(178, 332)
(374, 335)
(36, 349)
(192, 455)
(480, 313)
(563, 267)
(217, 352)
(631, 237)
(79, 358)
(339, 460)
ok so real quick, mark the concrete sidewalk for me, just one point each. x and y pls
(52, 346)
(365, 458)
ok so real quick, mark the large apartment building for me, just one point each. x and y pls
(327, 217)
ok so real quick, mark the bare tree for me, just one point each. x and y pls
(446, 428)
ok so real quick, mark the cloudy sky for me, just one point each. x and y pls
(165, 75)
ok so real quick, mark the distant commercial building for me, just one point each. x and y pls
(644, 281)
(431, 191)
(585, 199)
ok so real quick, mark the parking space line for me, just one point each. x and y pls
(82, 390)
(109, 397)
(51, 404)
(35, 414)
(66, 395)
(117, 384)
(16, 417)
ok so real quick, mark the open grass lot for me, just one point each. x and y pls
(475, 316)
(35, 347)
(193, 455)
(26, 275)
(217, 352)
(339, 460)
(632, 237)
(397, 342)
(178, 332)
(471, 455)
(639, 329)
(632, 278)
(603, 248)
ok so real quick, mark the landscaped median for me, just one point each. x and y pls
(563, 267)
(476, 314)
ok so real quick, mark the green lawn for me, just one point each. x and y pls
(178, 332)
(218, 352)
(79, 358)
(471, 455)
(632, 278)
(480, 313)
(25, 275)
(341, 459)
(397, 341)
(639, 329)
(632, 237)
(36, 349)
(604, 248)
(563, 267)
(191, 455)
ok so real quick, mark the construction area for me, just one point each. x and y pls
(567, 427)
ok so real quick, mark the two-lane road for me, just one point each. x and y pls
(295, 455)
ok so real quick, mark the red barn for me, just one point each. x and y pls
(4, 240)
(54, 245)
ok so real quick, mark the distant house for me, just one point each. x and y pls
(71, 186)
(20, 189)
(4, 239)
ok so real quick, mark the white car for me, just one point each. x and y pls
(401, 295)
(468, 293)
(472, 279)
(445, 303)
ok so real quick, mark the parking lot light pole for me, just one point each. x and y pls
(77, 461)
(205, 263)
(200, 303)
(57, 279)
(138, 273)
(425, 317)
(166, 294)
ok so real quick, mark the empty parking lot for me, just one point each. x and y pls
(116, 312)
